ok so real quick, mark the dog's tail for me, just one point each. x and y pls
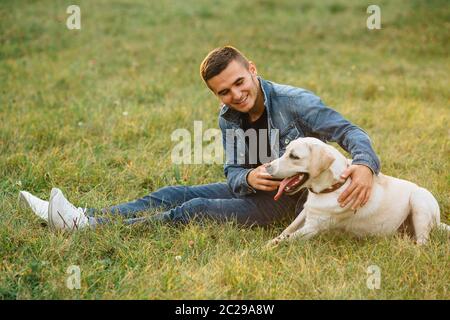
(443, 226)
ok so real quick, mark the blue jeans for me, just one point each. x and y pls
(216, 201)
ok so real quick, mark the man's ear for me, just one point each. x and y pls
(320, 160)
(252, 68)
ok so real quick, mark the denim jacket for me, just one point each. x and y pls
(296, 112)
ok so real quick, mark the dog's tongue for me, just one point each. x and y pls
(283, 185)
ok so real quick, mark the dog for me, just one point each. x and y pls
(394, 205)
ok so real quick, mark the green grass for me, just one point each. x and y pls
(62, 98)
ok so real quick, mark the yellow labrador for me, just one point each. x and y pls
(394, 204)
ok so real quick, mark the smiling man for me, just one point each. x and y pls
(278, 114)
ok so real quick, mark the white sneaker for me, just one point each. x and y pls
(62, 215)
(38, 206)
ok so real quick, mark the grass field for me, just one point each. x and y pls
(92, 110)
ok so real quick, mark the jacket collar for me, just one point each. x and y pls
(232, 115)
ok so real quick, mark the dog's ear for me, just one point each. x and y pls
(320, 160)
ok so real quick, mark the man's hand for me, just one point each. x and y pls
(260, 179)
(358, 192)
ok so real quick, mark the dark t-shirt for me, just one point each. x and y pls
(259, 124)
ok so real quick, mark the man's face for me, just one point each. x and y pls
(236, 86)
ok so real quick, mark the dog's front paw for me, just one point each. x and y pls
(274, 242)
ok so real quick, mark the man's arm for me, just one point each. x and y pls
(331, 126)
(235, 173)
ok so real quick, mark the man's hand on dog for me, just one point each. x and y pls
(358, 192)
(260, 179)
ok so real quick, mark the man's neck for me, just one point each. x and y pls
(258, 110)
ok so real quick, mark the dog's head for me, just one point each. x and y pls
(305, 159)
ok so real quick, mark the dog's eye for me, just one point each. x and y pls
(293, 156)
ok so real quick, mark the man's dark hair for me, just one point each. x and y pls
(218, 59)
